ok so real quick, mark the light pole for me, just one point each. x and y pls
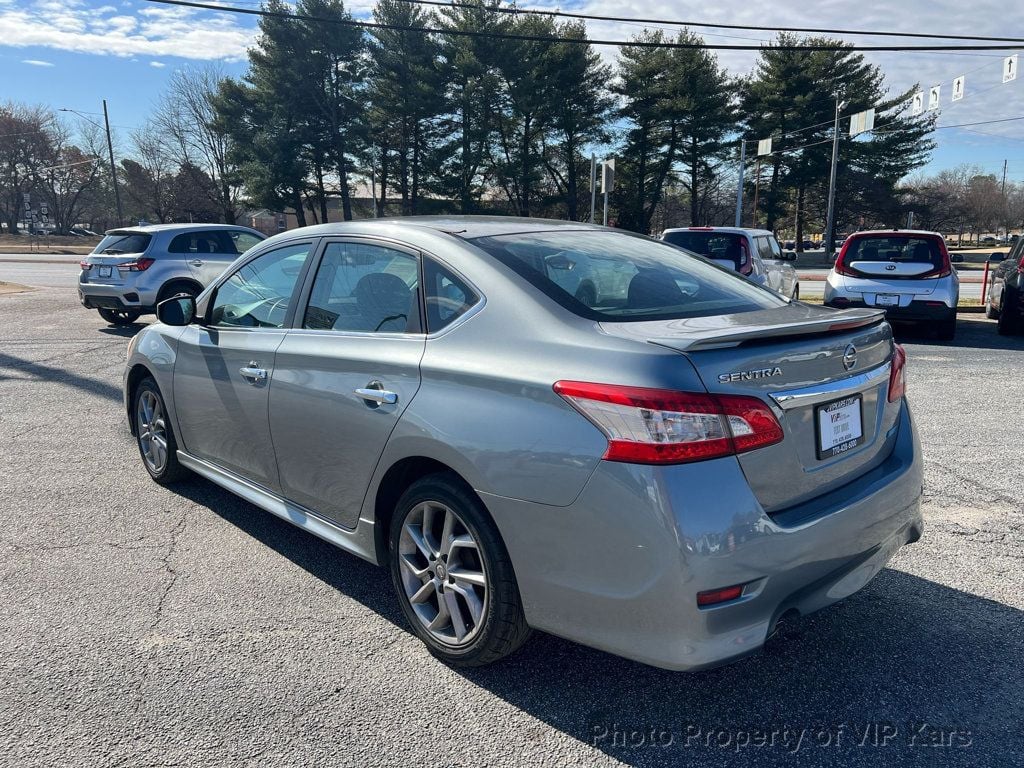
(830, 221)
(110, 150)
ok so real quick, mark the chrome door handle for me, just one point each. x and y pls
(254, 372)
(379, 396)
(196, 262)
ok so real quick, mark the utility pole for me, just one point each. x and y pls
(830, 222)
(757, 188)
(593, 186)
(1006, 226)
(739, 184)
(604, 188)
(113, 168)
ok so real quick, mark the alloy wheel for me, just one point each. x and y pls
(443, 573)
(149, 416)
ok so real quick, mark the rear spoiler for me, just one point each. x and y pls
(719, 337)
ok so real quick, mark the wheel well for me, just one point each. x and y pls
(394, 483)
(166, 290)
(135, 375)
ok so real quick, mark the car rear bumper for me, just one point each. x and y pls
(620, 568)
(915, 312)
(98, 296)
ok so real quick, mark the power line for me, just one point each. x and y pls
(349, 22)
(676, 22)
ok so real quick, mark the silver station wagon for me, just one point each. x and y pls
(664, 467)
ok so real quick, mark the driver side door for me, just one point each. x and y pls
(224, 367)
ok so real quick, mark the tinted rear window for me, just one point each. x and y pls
(895, 248)
(714, 245)
(622, 277)
(117, 243)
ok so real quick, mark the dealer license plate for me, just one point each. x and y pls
(840, 427)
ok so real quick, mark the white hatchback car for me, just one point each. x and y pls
(908, 273)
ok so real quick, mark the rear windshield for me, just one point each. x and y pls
(620, 277)
(714, 245)
(123, 242)
(895, 248)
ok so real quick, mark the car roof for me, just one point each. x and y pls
(879, 232)
(732, 230)
(189, 227)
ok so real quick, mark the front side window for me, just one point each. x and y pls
(260, 292)
(366, 288)
(243, 241)
(616, 276)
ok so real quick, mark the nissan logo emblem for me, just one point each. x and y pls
(849, 357)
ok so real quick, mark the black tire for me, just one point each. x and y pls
(947, 329)
(503, 628)
(1009, 316)
(171, 471)
(120, 316)
(177, 287)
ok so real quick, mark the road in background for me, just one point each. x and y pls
(144, 625)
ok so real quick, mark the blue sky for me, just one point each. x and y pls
(74, 53)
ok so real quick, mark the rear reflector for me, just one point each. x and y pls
(715, 596)
(897, 374)
(656, 426)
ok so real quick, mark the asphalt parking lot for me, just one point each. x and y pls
(152, 626)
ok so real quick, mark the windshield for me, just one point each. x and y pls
(117, 243)
(895, 248)
(618, 276)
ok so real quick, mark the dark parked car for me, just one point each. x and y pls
(1006, 291)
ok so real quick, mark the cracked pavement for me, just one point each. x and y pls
(150, 626)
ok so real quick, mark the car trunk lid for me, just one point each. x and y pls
(820, 370)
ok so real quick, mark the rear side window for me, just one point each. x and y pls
(447, 296)
(895, 248)
(620, 277)
(117, 243)
(366, 288)
(214, 241)
(713, 245)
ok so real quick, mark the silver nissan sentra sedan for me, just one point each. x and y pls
(663, 469)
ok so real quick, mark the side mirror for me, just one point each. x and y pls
(177, 310)
(788, 256)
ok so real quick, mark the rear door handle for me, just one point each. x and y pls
(379, 396)
(253, 373)
(197, 262)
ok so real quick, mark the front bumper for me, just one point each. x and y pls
(620, 568)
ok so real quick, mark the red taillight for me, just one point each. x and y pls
(83, 264)
(840, 265)
(715, 596)
(897, 375)
(1020, 265)
(657, 426)
(139, 265)
(746, 263)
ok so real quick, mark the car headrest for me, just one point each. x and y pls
(383, 300)
(653, 288)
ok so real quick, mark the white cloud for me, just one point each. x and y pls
(37, 62)
(70, 25)
(157, 64)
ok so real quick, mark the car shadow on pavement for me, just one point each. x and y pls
(50, 373)
(904, 671)
(124, 331)
(973, 331)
